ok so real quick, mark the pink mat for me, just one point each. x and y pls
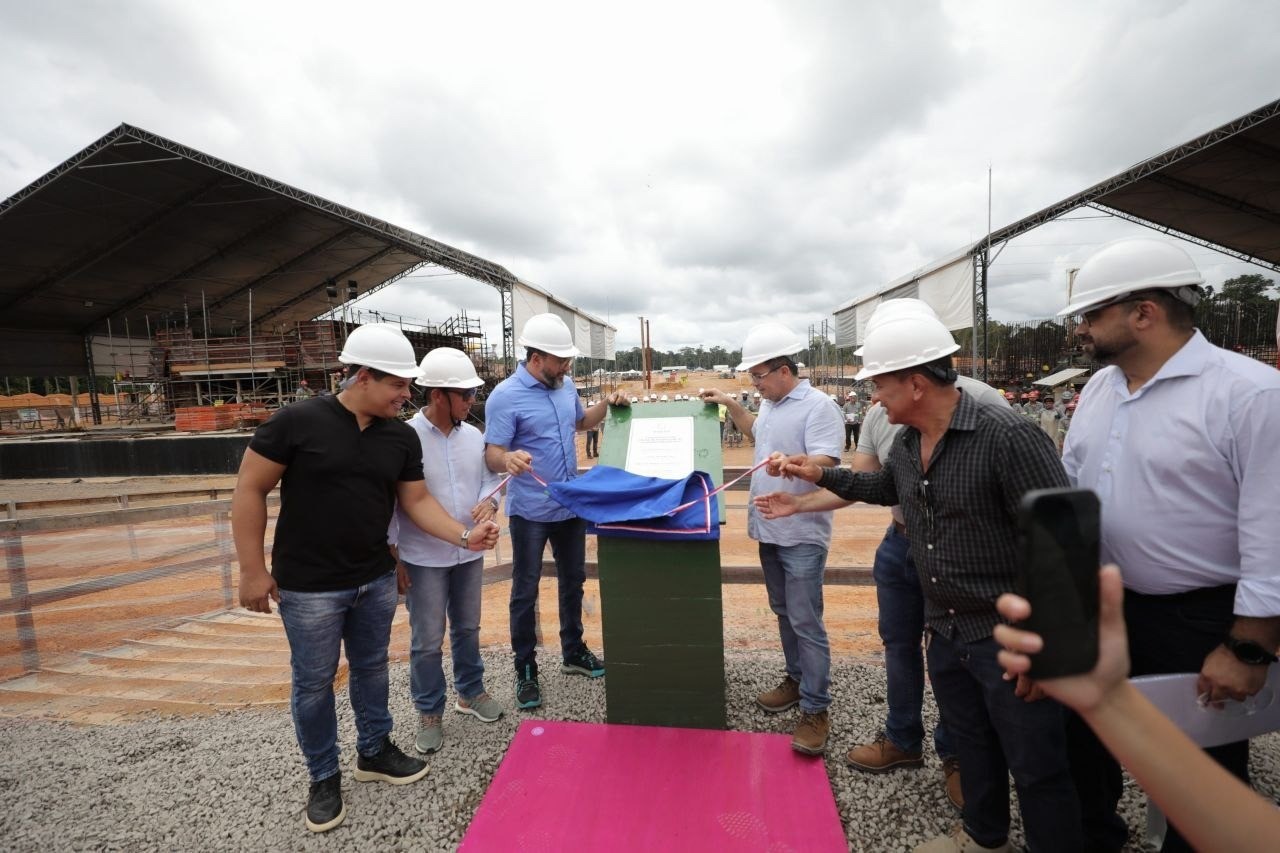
(585, 786)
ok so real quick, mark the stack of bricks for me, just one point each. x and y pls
(209, 418)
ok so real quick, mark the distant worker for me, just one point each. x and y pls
(530, 422)
(853, 413)
(1048, 419)
(593, 438)
(794, 418)
(303, 391)
(438, 577)
(336, 582)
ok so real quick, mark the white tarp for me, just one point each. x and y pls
(591, 335)
(947, 286)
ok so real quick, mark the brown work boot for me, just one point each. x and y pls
(881, 755)
(951, 777)
(786, 695)
(810, 736)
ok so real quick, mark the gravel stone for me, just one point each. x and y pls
(236, 780)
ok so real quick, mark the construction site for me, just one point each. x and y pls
(158, 304)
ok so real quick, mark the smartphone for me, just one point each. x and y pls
(1058, 574)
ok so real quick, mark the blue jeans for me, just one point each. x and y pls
(317, 623)
(568, 540)
(432, 591)
(997, 734)
(901, 605)
(793, 580)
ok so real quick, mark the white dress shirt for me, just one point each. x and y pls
(804, 421)
(457, 477)
(1188, 471)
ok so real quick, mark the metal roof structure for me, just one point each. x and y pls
(1220, 190)
(136, 231)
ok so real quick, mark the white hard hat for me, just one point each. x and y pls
(382, 347)
(902, 307)
(446, 367)
(766, 341)
(1128, 266)
(757, 395)
(905, 341)
(663, 398)
(548, 333)
(635, 400)
(1068, 395)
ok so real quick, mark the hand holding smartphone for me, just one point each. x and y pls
(1058, 574)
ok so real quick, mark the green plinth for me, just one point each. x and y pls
(663, 618)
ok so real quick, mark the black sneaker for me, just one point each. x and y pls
(325, 809)
(389, 765)
(528, 694)
(583, 662)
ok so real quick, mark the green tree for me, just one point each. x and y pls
(1250, 289)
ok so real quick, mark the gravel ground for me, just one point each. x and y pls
(235, 781)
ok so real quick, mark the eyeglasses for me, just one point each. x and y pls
(466, 394)
(757, 378)
(1090, 317)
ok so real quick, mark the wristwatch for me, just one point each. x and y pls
(1249, 652)
(466, 537)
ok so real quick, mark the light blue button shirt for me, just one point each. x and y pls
(1188, 471)
(524, 414)
(457, 477)
(805, 421)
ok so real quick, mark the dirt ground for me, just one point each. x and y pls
(56, 559)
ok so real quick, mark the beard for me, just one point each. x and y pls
(1108, 352)
(555, 383)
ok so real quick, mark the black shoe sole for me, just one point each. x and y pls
(332, 824)
(379, 776)
(571, 669)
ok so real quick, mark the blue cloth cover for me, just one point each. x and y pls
(615, 502)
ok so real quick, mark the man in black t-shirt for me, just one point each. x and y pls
(335, 580)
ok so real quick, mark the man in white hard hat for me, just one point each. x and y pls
(530, 422)
(1179, 439)
(958, 470)
(900, 601)
(794, 418)
(333, 577)
(438, 577)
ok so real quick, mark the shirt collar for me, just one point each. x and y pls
(526, 378)
(1189, 360)
(799, 392)
(965, 416)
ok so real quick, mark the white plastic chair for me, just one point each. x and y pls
(1175, 696)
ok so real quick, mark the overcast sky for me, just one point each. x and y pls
(705, 164)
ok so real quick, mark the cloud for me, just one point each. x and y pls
(706, 165)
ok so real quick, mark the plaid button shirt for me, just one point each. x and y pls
(962, 513)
